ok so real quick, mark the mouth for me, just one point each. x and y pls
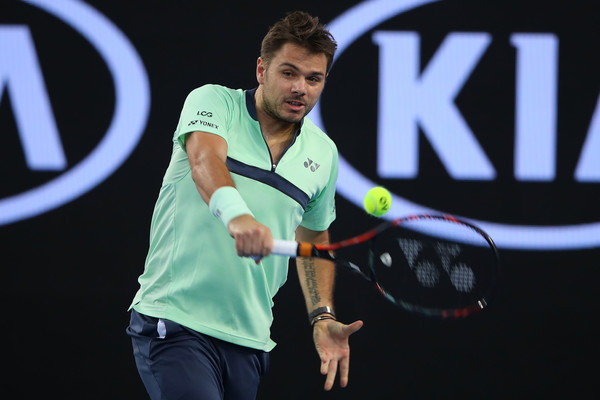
(295, 105)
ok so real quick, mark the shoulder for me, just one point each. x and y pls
(216, 92)
(319, 138)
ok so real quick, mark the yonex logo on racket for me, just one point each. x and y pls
(428, 269)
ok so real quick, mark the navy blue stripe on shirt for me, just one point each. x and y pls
(268, 178)
(250, 106)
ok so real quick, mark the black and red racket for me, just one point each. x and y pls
(433, 265)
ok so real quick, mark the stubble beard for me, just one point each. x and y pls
(272, 112)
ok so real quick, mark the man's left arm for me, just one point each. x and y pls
(317, 278)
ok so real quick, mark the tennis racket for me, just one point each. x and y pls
(433, 265)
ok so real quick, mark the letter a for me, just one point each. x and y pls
(20, 73)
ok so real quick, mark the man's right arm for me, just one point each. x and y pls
(207, 155)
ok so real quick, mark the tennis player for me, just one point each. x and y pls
(246, 166)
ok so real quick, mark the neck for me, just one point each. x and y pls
(271, 126)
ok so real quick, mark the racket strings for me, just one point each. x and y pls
(418, 269)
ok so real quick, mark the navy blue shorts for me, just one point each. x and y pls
(175, 362)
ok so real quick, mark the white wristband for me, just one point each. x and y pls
(226, 203)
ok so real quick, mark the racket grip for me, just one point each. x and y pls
(285, 248)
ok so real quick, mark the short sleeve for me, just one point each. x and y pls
(320, 211)
(205, 109)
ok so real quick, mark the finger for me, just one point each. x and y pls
(250, 246)
(331, 375)
(256, 242)
(239, 245)
(268, 245)
(344, 370)
(353, 327)
(324, 366)
(264, 241)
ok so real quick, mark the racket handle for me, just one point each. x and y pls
(285, 248)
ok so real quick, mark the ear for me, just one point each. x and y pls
(261, 67)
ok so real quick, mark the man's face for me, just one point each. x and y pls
(292, 82)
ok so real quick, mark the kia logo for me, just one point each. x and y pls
(413, 96)
(20, 74)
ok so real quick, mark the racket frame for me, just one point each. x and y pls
(327, 252)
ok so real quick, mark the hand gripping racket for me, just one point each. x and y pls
(433, 265)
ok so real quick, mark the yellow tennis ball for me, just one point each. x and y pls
(377, 201)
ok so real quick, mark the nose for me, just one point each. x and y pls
(299, 87)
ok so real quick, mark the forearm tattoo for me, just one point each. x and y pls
(311, 280)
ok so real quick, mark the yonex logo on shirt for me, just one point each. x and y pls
(203, 123)
(310, 164)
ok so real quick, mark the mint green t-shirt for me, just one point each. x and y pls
(192, 273)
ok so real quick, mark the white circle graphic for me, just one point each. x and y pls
(132, 105)
(352, 185)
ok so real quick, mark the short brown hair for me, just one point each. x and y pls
(300, 28)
